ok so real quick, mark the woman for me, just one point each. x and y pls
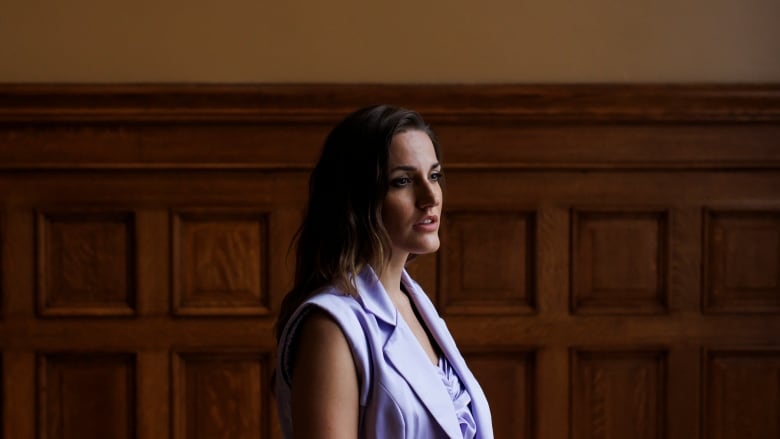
(362, 351)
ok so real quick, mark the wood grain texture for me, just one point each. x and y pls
(488, 264)
(741, 393)
(87, 395)
(220, 395)
(742, 250)
(2, 399)
(220, 262)
(272, 103)
(619, 261)
(608, 259)
(508, 380)
(2, 272)
(86, 263)
(619, 394)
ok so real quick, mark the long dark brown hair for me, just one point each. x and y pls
(342, 229)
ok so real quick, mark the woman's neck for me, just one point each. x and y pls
(391, 275)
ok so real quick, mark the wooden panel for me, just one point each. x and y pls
(86, 263)
(220, 263)
(2, 277)
(741, 394)
(281, 103)
(154, 390)
(220, 395)
(2, 397)
(488, 263)
(742, 268)
(618, 394)
(485, 126)
(86, 396)
(508, 381)
(619, 262)
(603, 203)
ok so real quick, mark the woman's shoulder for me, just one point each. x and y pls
(331, 296)
(329, 316)
(327, 302)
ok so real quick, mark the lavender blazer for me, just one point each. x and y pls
(401, 394)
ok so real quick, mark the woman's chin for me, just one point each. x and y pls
(427, 249)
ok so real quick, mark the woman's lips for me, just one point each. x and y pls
(427, 224)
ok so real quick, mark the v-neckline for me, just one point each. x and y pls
(437, 351)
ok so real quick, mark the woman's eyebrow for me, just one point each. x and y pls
(412, 168)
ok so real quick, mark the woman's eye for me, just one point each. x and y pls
(436, 176)
(401, 181)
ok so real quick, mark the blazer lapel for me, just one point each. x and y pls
(479, 406)
(404, 352)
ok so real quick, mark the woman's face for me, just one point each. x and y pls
(412, 206)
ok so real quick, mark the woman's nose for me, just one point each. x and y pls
(428, 195)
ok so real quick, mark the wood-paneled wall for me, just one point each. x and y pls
(610, 259)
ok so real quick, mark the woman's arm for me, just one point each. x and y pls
(324, 382)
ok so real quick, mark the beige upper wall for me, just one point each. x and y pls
(406, 41)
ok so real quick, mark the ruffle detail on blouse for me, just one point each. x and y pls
(460, 398)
